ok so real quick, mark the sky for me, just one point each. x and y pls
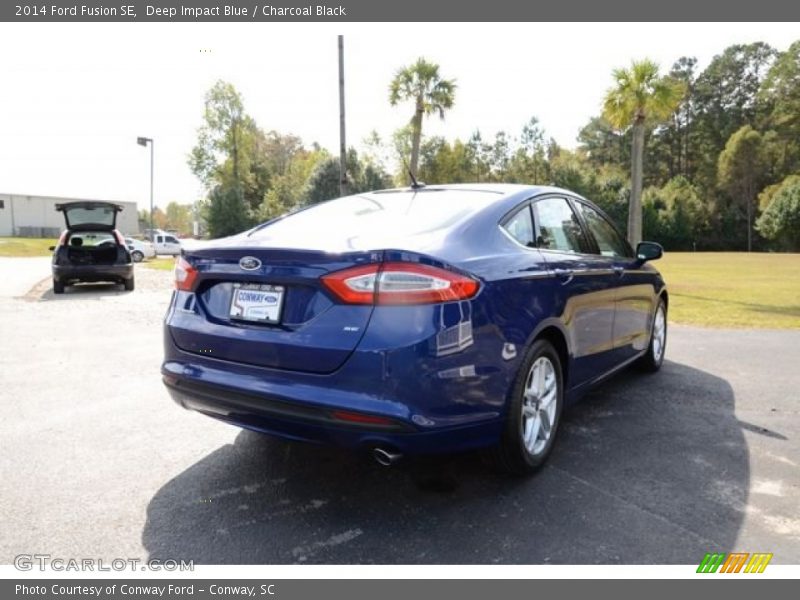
(74, 97)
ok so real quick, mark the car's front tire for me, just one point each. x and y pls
(58, 287)
(652, 360)
(137, 256)
(537, 399)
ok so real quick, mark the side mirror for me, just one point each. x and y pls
(646, 251)
(52, 248)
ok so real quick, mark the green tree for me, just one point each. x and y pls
(421, 84)
(143, 217)
(179, 217)
(401, 145)
(288, 189)
(323, 183)
(226, 213)
(225, 141)
(529, 163)
(603, 144)
(226, 150)
(640, 98)
(376, 151)
(742, 171)
(677, 217)
(768, 194)
(669, 148)
(479, 153)
(443, 162)
(159, 218)
(725, 97)
(781, 221)
(500, 157)
(780, 93)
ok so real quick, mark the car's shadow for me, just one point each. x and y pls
(648, 469)
(84, 291)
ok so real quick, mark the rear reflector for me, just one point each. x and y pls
(399, 283)
(354, 417)
(185, 275)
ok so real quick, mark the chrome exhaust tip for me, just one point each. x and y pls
(384, 457)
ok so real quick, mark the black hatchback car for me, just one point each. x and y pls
(85, 252)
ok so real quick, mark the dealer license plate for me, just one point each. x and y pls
(257, 302)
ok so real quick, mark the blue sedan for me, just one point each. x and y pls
(412, 321)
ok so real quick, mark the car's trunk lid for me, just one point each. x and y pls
(308, 332)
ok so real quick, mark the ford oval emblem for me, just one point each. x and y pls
(249, 263)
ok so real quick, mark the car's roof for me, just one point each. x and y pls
(501, 189)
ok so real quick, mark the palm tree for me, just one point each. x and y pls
(422, 84)
(640, 98)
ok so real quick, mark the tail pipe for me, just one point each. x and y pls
(385, 457)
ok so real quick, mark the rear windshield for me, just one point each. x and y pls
(406, 212)
(90, 215)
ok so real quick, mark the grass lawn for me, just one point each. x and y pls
(14, 246)
(732, 289)
(713, 289)
(162, 263)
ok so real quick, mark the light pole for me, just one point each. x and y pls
(143, 141)
(342, 145)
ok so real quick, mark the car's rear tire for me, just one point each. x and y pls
(652, 360)
(129, 284)
(537, 399)
(58, 287)
(137, 256)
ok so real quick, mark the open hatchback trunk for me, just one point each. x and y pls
(89, 216)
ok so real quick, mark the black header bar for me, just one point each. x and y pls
(399, 10)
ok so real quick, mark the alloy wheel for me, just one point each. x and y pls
(659, 333)
(539, 405)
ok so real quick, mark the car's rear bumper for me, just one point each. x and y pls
(306, 412)
(67, 273)
(439, 377)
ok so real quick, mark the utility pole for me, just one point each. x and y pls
(144, 141)
(342, 143)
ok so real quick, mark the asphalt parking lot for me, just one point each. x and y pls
(96, 461)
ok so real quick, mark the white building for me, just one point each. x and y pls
(36, 216)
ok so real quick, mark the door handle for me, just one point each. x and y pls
(618, 270)
(565, 275)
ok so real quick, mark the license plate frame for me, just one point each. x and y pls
(251, 310)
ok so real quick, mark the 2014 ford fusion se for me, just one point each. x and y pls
(420, 320)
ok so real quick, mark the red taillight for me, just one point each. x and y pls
(355, 285)
(355, 417)
(185, 275)
(399, 283)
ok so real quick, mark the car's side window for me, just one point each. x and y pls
(160, 239)
(608, 240)
(520, 226)
(557, 225)
(171, 240)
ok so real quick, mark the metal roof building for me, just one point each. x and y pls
(36, 216)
